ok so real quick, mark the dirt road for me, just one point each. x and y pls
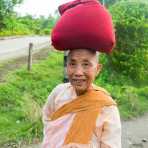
(16, 47)
(135, 132)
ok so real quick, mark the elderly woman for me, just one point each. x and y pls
(80, 114)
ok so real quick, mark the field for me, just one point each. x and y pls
(23, 93)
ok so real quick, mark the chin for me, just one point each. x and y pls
(80, 89)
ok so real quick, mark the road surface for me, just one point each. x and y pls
(16, 47)
(135, 132)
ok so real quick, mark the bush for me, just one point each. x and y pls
(130, 57)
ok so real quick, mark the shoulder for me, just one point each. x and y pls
(103, 90)
(61, 87)
(104, 96)
(58, 90)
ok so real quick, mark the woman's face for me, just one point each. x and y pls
(82, 68)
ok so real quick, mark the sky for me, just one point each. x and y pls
(39, 7)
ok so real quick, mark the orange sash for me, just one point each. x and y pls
(87, 108)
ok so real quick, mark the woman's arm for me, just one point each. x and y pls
(111, 129)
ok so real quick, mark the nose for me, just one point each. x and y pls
(78, 70)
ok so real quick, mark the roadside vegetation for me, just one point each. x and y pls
(11, 24)
(124, 75)
(27, 25)
(23, 94)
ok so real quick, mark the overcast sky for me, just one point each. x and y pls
(39, 7)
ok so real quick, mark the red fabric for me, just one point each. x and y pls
(83, 24)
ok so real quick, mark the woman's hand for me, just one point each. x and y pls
(75, 145)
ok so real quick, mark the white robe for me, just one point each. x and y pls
(108, 126)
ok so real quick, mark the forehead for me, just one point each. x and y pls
(82, 54)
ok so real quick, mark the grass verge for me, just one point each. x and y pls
(23, 94)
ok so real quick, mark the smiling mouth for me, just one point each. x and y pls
(78, 81)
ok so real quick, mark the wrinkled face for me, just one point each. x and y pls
(82, 68)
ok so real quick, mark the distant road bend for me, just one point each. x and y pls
(17, 47)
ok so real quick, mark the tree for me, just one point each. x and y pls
(130, 57)
(6, 8)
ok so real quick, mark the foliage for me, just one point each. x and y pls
(132, 101)
(6, 8)
(22, 97)
(12, 24)
(130, 57)
(24, 93)
(27, 25)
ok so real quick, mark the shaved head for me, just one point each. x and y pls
(94, 53)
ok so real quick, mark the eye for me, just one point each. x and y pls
(86, 64)
(72, 64)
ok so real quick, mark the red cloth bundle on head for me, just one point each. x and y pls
(84, 24)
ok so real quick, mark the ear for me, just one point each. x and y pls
(99, 68)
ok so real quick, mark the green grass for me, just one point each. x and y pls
(132, 101)
(23, 94)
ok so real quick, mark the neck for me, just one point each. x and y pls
(81, 92)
